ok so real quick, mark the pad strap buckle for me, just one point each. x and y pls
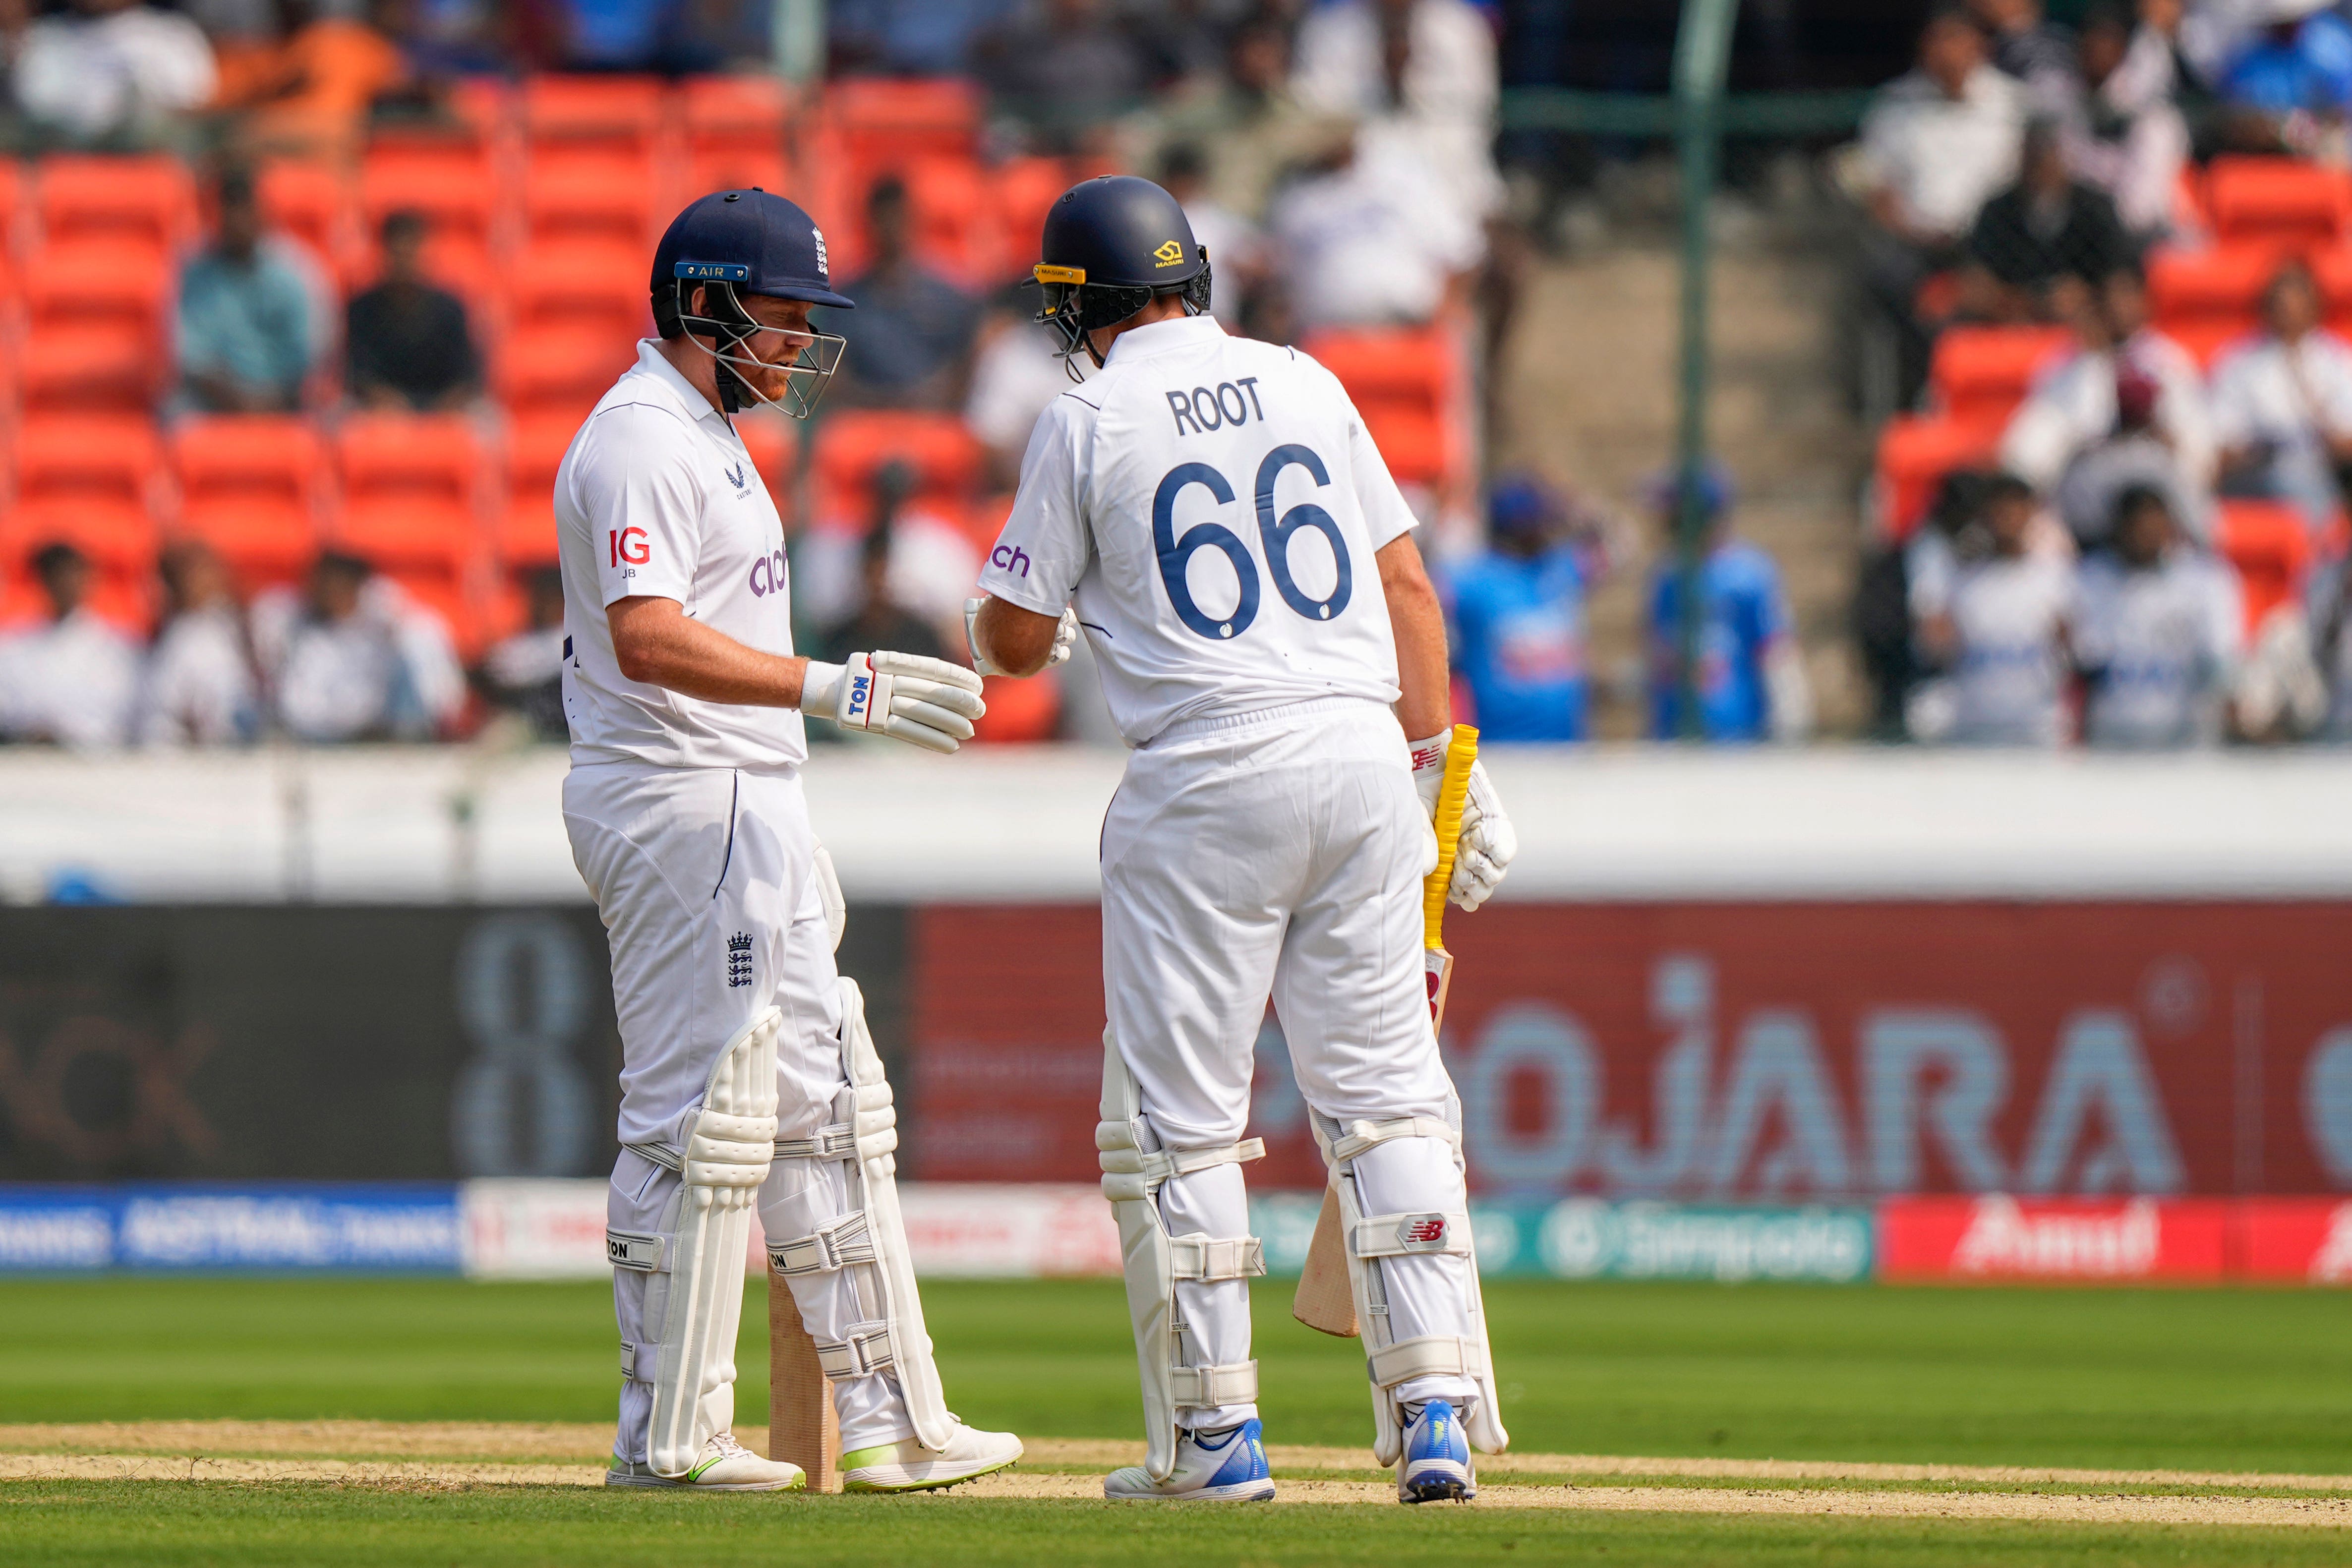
(1403, 1235)
(1215, 1257)
(1202, 1387)
(867, 1347)
(832, 1246)
(837, 1142)
(1440, 1355)
(641, 1252)
(1363, 1136)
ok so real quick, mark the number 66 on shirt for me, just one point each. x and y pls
(1176, 554)
(1243, 590)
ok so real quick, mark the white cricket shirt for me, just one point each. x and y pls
(656, 495)
(2167, 640)
(1210, 506)
(2010, 612)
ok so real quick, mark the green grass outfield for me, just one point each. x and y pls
(110, 1525)
(2205, 1380)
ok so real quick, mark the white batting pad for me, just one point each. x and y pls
(1375, 1238)
(870, 1240)
(694, 1290)
(1134, 1169)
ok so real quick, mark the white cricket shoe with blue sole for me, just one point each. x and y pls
(1222, 1466)
(1436, 1465)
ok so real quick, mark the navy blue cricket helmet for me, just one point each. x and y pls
(1111, 245)
(734, 242)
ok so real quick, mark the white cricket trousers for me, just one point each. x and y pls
(1280, 855)
(704, 878)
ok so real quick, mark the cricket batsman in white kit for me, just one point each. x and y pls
(1211, 512)
(748, 1077)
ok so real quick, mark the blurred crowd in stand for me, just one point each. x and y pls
(299, 303)
(2106, 258)
(384, 234)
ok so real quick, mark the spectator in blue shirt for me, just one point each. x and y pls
(1519, 618)
(246, 332)
(1751, 673)
(2290, 80)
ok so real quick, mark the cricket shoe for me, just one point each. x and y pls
(724, 1464)
(907, 1465)
(1222, 1466)
(1436, 1463)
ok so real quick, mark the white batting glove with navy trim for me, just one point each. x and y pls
(924, 702)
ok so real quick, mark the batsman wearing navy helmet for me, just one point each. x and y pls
(748, 1079)
(1209, 510)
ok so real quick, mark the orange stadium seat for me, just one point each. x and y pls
(410, 485)
(709, 169)
(616, 111)
(482, 104)
(2203, 299)
(2275, 201)
(2270, 545)
(558, 367)
(598, 283)
(885, 118)
(74, 367)
(1403, 381)
(734, 137)
(851, 445)
(250, 487)
(598, 194)
(1914, 455)
(774, 443)
(90, 281)
(734, 111)
(143, 200)
(1026, 188)
(955, 221)
(1980, 374)
(13, 185)
(310, 202)
(94, 315)
(457, 196)
(535, 449)
(89, 482)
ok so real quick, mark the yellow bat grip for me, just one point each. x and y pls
(1459, 753)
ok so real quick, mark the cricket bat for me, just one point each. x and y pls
(803, 1427)
(1323, 1299)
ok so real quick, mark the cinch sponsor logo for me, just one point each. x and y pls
(628, 545)
(861, 687)
(1010, 558)
(768, 574)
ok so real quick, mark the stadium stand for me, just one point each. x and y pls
(253, 487)
(542, 196)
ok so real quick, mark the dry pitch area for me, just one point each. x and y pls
(447, 1455)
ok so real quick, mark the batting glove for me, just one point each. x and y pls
(1066, 632)
(924, 702)
(1483, 855)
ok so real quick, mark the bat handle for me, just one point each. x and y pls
(1461, 751)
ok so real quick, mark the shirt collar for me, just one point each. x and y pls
(1159, 337)
(655, 364)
